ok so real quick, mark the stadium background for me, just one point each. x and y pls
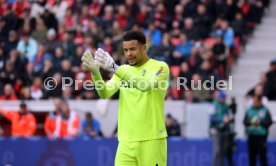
(184, 33)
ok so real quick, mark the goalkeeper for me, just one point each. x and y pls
(143, 84)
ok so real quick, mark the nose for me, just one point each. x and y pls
(128, 54)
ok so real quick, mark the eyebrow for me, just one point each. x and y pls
(129, 48)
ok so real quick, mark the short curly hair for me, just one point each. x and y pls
(135, 35)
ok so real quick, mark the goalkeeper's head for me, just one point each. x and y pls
(135, 50)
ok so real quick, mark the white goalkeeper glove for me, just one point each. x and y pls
(105, 61)
(88, 63)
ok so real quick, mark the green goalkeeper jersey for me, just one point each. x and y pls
(141, 101)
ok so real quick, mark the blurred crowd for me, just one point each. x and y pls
(46, 38)
(266, 86)
(60, 123)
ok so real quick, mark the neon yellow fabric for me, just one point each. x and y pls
(153, 152)
(141, 101)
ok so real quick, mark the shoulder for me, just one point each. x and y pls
(215, 102)
(30, 116)
(157, 62)
(125, 66)
(159, 65)
(264, 108)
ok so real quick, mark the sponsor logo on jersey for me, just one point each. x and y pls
(143, 72)
(159, 71)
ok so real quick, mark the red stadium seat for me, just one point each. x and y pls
(175, 70)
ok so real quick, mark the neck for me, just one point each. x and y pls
(143, 62)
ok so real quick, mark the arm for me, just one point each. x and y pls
(267, 121)
(106, 90)
(97, 127)
(246, 121)
(10, 115)
(47, 125)
(31, 127)
(105, 61)
(159, 80)
(76, 126)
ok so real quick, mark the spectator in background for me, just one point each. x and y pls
(23, 122)
(79, 90)
(40, 32)
(142, 16)
(172, 126)
(18, 62)
(257, 121)
(58, 58)
(256, 91)
(239, 27)
(27, 46)
(9, 75)
(25, 93)
(220, 54)
(48, 69)
(205, 71)
(270, 85)
(2, 61)
(203, 21)
(154, 34)
(59, 9)
(67, 93)
(95, 32)
(49, 19)
(220, 131)
(228, 34)
(66, 69)
(108, 17)
(69, 124)
(90, 127)
(199, 94)
(87, 23)
(40, 58)
(184, 47)
(29, 74)
(190, 30)
(51, 44)
(186, 73)
(4, 30)
(68, 46)
(36, 89)
(57, 91)
(53, 119)
(70, 19)
(163, 51)
(76, 61)
(8, 93)
(11, 43)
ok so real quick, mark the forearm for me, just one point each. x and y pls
(246, 121)
(267, 121)
(104, 90)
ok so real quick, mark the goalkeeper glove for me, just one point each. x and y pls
(88, 63)
(105, 61)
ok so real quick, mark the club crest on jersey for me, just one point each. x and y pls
(159, 71)
(143, 72)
